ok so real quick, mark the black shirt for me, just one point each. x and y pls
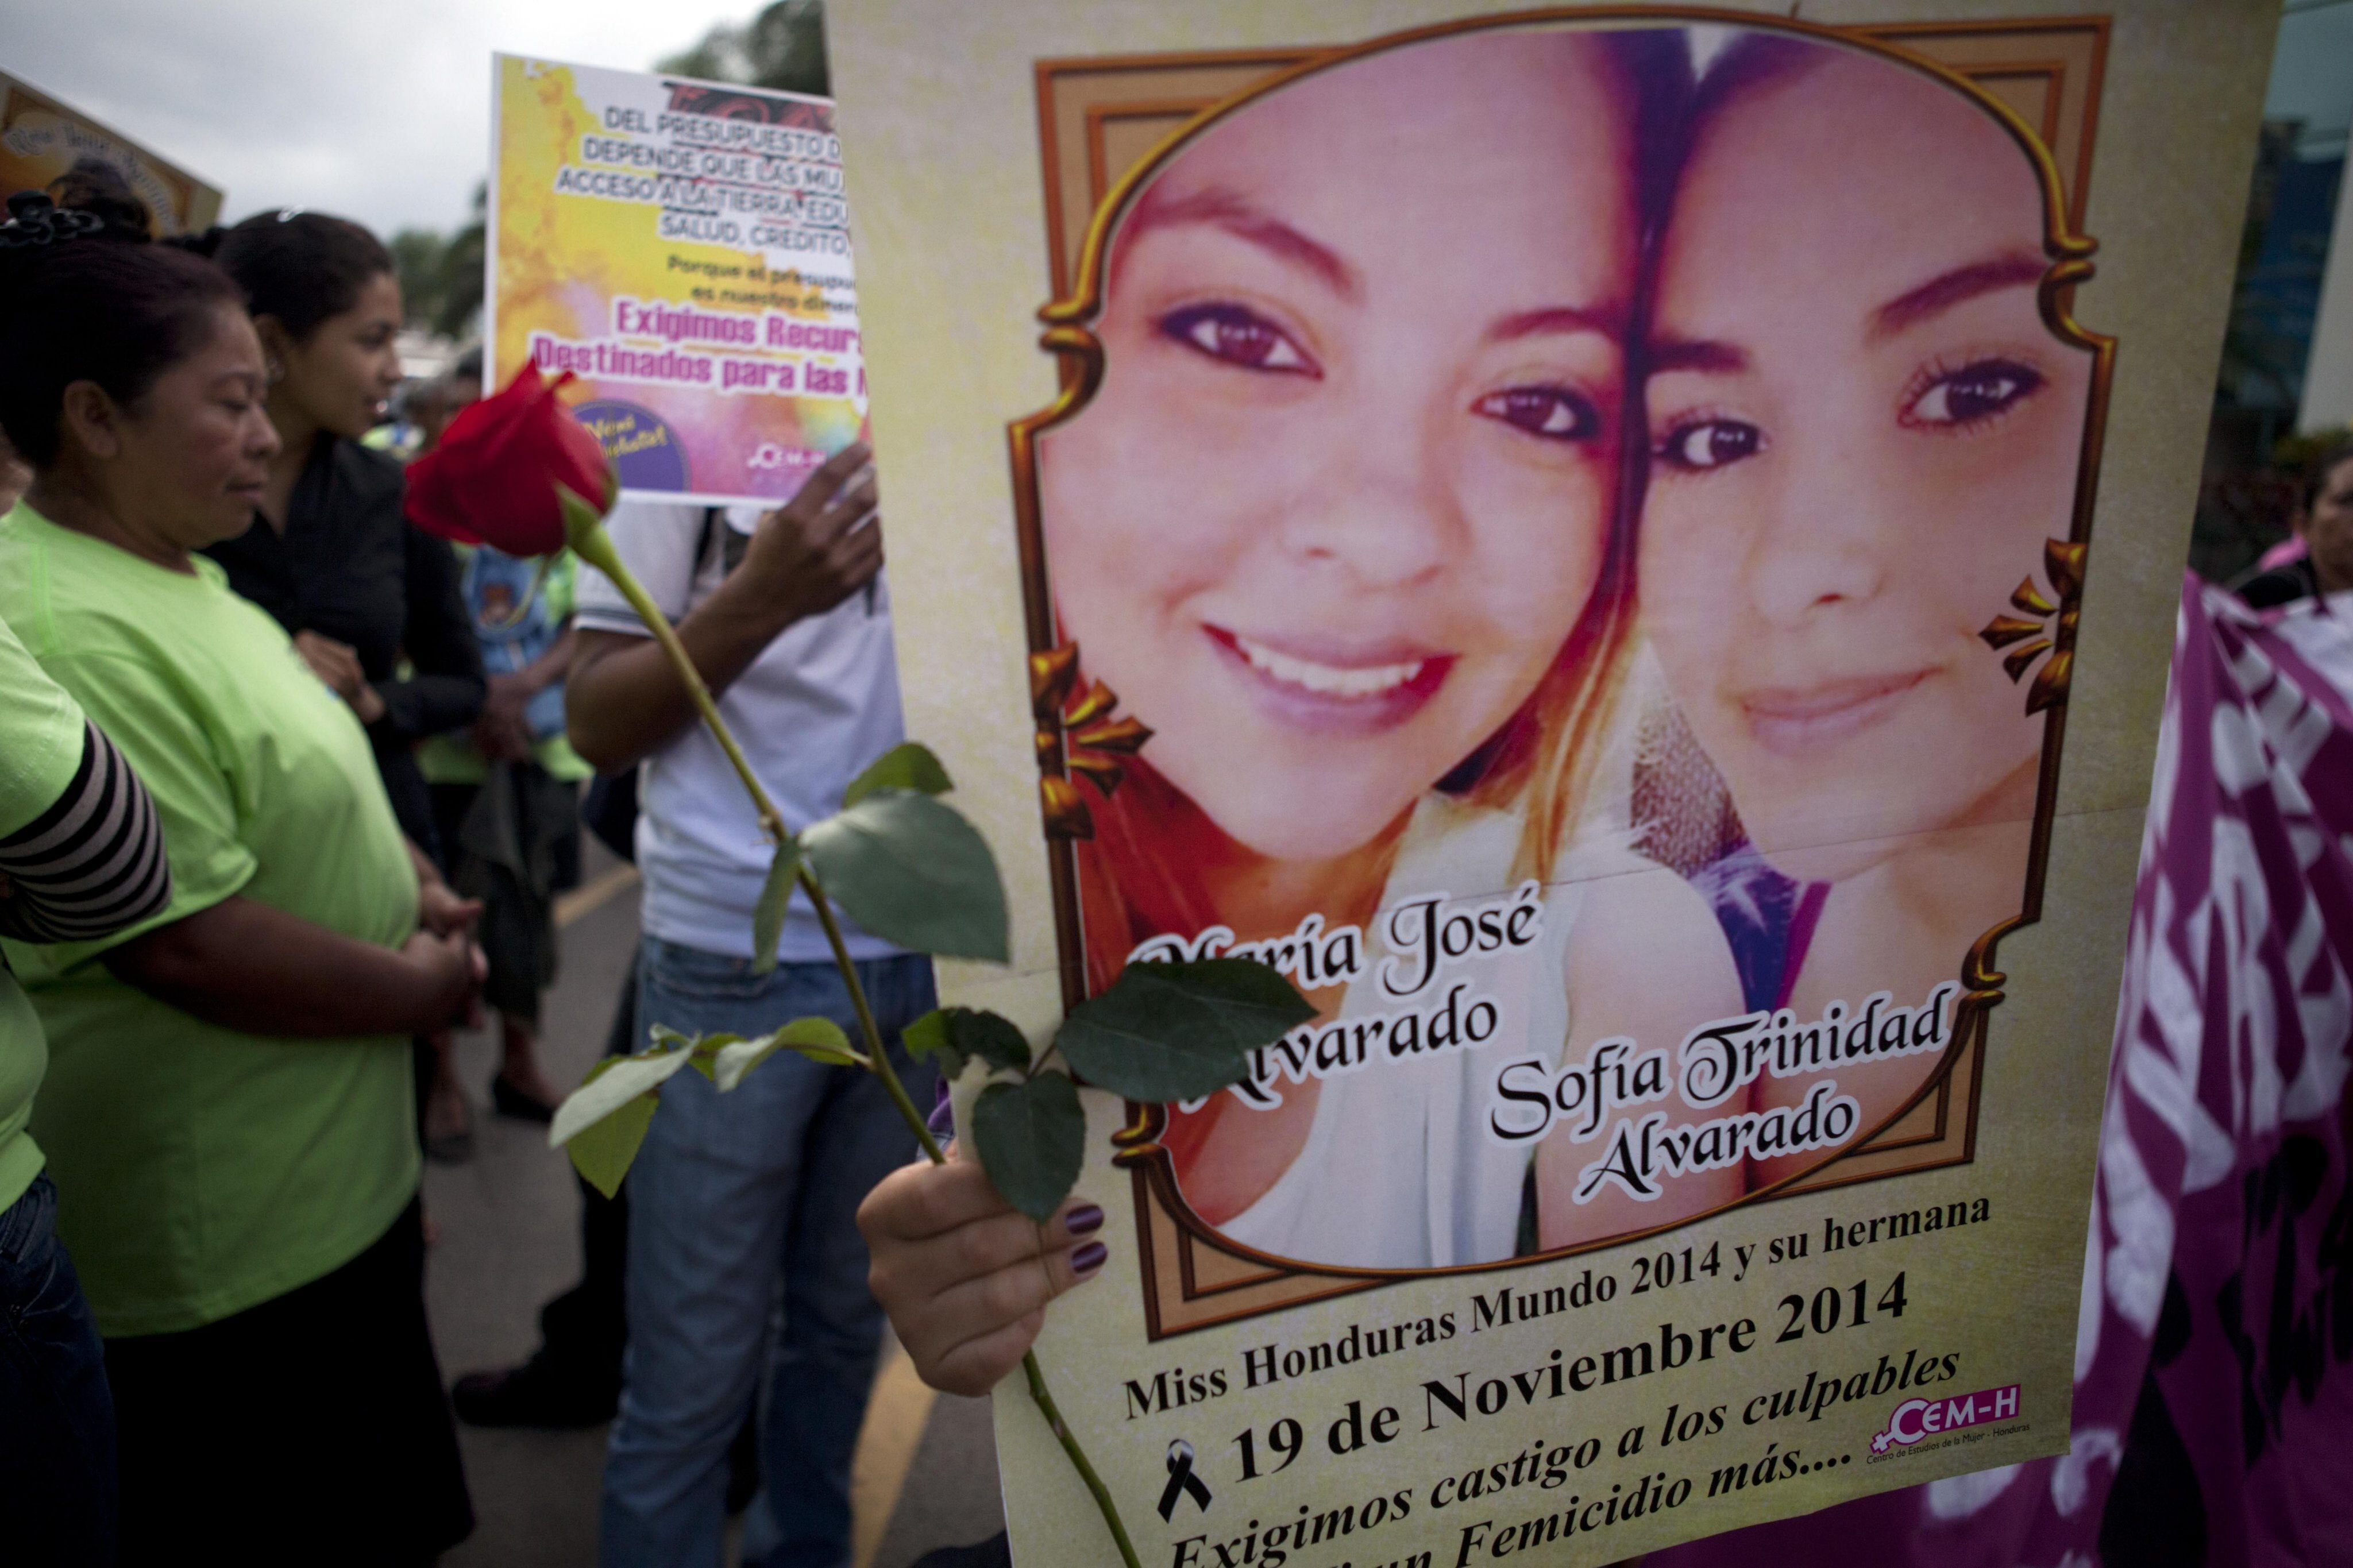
(2282, 584)
(350, 566)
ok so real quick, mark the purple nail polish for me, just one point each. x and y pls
(1084, 1220)
(1088, 1258)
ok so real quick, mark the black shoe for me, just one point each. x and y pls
(453, 1147)
(531, 1395)
(509, 1100)
(743, 1464)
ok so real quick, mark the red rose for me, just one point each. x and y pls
(492, 480)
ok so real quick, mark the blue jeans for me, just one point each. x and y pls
(736, 1201)
(57, 1419)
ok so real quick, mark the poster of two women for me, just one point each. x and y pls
(1579, 536)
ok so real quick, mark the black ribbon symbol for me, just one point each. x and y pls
(1182, 1481)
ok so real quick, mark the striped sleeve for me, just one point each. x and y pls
(93, 863)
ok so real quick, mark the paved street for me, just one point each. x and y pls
(509, 1239)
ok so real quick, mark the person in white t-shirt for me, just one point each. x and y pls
(734, 1199)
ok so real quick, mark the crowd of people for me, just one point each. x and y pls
(287, 790)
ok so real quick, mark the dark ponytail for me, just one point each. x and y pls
(207, 244)
(96, 186)
(300, 267)
(2332, 454)
(81, 299)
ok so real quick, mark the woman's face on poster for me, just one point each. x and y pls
(1862, 433)
(1345, 489)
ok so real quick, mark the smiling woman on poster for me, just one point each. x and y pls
(1863, 435)
(1342, 528)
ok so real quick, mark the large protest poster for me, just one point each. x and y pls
(43, 140)
(682, 248)
(1630, 552)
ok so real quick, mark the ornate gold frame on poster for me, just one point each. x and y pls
(1193, 1276)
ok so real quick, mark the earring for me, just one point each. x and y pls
(273, 369)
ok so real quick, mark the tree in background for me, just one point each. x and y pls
(2253, 475)
(441, 276)
(782, 47)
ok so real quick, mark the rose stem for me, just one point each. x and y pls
(878, 1059)
(1063, 1435)
(1038, 1393)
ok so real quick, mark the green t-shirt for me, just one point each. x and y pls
(40, 749)
(201, 1171)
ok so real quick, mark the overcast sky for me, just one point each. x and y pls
(382, 112)
(379, 112)
(2312, 74)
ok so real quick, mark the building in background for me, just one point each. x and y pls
(2287, 356)
(42, 140)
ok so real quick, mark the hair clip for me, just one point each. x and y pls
(34, 219)
(285, 215)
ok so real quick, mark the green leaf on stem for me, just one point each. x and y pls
(664, 1038)
(602, 1122)
(930, 1035)
(819, 1039)
(706, 1053)
(611, 1083)
(953, 1036)
(704, 1049)
(912, 871)
(994, 1040)
(769, 914)
(908, 765)
(603, 1151)
(1032, 1138)
(1178, 1031)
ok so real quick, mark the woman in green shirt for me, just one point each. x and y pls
(81, 855)
(227, 1110)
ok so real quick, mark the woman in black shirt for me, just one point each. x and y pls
(330, 554)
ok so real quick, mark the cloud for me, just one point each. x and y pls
(378, 114)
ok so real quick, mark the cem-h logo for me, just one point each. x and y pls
(1917, 1418)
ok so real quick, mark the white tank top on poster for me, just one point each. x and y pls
(1401, 1169)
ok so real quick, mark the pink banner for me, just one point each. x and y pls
(2212, 1412)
